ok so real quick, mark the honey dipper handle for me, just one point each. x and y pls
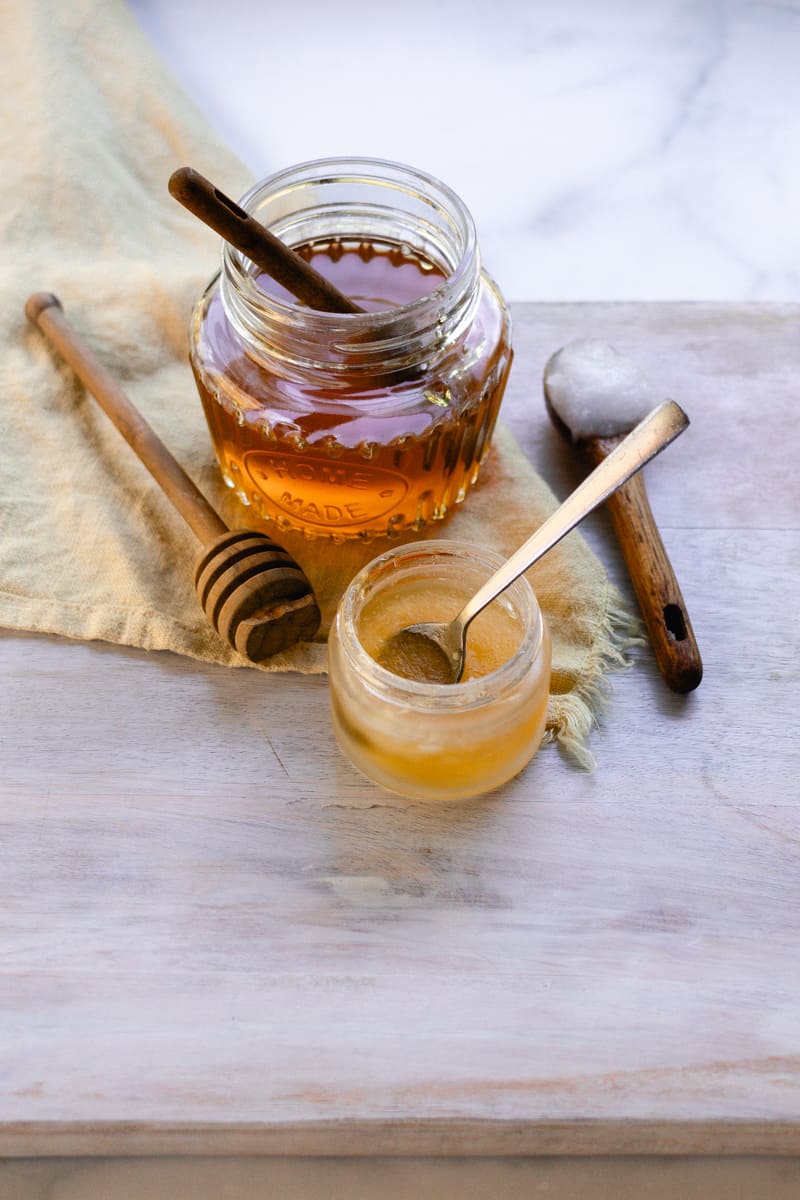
(44, 310)
(231, 222)
(653, 578)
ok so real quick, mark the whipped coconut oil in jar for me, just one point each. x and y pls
(354, 425)
(436, 740)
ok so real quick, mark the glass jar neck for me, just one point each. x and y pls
(364, 200)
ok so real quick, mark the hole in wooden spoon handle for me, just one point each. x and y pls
(675, 622)
(235, 208)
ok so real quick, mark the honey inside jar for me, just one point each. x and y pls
(356, 426)
(494, 635)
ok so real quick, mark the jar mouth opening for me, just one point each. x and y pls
(470, 693)
(309, 198)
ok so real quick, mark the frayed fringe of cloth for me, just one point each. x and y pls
(571, 717)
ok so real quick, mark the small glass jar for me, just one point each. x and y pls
(428, 740)
(366, 424)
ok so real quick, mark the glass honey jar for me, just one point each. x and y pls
(438, 741)
(365, 424)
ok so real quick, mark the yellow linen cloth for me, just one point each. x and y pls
(92, 128)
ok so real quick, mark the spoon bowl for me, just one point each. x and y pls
(435, 651)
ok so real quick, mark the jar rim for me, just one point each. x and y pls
(466, 694)
(385, 172)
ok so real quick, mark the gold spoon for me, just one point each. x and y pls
(436, 650)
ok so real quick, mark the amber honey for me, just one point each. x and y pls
(355, 426)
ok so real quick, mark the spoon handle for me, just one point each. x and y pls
(644, 442)
(653, 578)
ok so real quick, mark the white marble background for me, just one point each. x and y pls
(623, 150)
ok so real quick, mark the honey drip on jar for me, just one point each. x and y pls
(370, 456)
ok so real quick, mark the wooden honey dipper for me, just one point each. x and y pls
(253, 593)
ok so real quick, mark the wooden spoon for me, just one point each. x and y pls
(594, 396)
(255, 595)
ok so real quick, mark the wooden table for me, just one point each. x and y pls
(217, 939)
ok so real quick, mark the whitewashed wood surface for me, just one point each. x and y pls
(216, 938)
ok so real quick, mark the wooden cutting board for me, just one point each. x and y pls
(218, 939)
